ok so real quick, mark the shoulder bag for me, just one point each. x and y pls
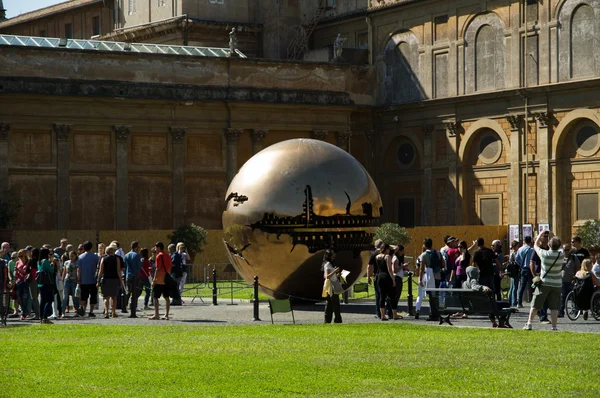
(537, 281)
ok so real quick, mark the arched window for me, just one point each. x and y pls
(485, 59)
(582, 42)
(401, 78)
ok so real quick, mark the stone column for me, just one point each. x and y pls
(319, 134)
(426, 182)
(63, 178)
(342, 140)
(232, 136)
(370, 152)
(4, 130)
(178, 194)
(122, 186)
(453, 172)
(515, 180)
(258, 137)
(544, 191)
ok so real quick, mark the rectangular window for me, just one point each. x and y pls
(331, 3)
(217, 1)
(363, 41)
(406, 212)
(96, 26)
(69, 31)
(162, 3)
(587, 206)
(490, 212)
(441, 75)
(441, 27)
(132, 7)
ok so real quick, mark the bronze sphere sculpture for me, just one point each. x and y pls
(289, 203)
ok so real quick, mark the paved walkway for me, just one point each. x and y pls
(241, 313)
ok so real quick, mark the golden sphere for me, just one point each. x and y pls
(289, 203)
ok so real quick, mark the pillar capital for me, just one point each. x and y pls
(319, 134)
(427, 130)
(342, 138)
(232, 135)
(370, 134)
(258, 135)
(121, 132)
(452, 127)
(4, 130)
(515, 122)
(62, 131)
(543, 119)
(178, 133)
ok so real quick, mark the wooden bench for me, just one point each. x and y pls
(470, 302)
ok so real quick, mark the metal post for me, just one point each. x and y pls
(345, 297)
(214, 287)
(256, 318)
(411, 310)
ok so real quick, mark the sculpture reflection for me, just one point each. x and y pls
(288, 204)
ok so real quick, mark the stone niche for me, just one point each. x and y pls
(30, 147)
(150, 205)
(93, 202)
(91, 148)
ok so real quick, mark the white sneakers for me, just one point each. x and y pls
(527, 326)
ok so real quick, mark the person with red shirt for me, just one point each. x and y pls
(163, 267)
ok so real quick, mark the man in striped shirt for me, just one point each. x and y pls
(550, 289)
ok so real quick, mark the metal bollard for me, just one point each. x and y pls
(214, 287)
(256, 318)
(411, 310)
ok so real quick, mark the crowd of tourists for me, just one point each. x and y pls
(541, 267)
(48, 284)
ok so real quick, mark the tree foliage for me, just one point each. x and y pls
(589, 233)
(192, 235)
(392, 234)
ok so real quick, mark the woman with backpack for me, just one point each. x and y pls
(585, 283)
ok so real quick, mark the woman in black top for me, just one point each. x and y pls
(385, 280)
(109, 278)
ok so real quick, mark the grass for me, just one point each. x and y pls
(354, 360)
(241, 290)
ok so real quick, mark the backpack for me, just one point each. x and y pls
(435, 262)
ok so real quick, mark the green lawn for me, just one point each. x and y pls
(360, 360)
(241, 290)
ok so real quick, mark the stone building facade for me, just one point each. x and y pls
(468, 112)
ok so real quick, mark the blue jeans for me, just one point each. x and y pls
(524, 283)
(512, 292)
(69, 290)
(24, 296)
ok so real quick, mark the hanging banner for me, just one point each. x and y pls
(543, 227)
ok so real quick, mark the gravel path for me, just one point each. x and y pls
(241, 313)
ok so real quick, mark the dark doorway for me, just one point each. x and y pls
(406, 212)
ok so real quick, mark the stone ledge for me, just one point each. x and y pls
(174, 92)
